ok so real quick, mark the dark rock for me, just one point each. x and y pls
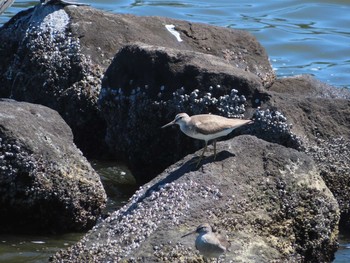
(308, 86)
(146, 86)
(46, 185)
(333, 159)
(268, 199)
(316, 111)
(42, 62)
(320, 116)
(56, 56)
(238, 48)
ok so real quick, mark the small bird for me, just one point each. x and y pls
(208, 243)
(206, 127)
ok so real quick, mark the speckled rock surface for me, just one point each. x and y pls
(42, 62)
(56, 56)
(320, 117)
(268, 200)
(46, 185)
(146, 86)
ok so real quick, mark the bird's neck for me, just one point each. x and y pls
(184, 126)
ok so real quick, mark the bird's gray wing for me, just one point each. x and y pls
(210, 125)
(226, 244)
(213, 244)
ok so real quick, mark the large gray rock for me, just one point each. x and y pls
(320, 116)
(46, 185)
(268, 199)
(315, 109)
(56, 56)
(239, 48)
(42, 62)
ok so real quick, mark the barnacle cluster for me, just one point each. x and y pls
(203, 101)
(275, 128)
(147, 210)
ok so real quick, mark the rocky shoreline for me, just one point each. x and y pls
(47, 185)
(278, 189)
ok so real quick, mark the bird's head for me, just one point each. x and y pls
(201, 229)
(179, 119)
(204, 228)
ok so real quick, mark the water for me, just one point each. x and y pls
(343, 253)
(301, 37)
(119, 185)
(118, 182)
(33, 249)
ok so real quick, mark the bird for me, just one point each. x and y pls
(208, 243)
(4, 4)
(206, 127)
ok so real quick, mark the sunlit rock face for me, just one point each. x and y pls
(269, 200)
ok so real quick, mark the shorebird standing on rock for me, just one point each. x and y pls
(208, 243)
(206, 127)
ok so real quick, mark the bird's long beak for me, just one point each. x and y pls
(192, 232)
(169, 124)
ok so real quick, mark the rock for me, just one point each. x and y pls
(42, 62)
(333, 160)
(320, 117)
(56, 56)
(314, 109)
(146, 86)
(46, 185)
(239, 48)
(308, 86)
(268, 199)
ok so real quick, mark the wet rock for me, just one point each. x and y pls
(46, 185)
(56, 56)
(268, 199)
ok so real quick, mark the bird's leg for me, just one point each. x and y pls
(214, 149)
(201, 157)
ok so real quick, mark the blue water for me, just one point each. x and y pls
(301, 37)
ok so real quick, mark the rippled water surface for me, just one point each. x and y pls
(301, 37)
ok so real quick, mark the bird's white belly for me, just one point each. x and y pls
(208, 247)
(206, 137)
